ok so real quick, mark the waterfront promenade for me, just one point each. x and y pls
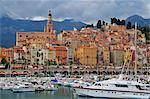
(73, 70)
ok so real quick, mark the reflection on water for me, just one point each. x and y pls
(61, 93)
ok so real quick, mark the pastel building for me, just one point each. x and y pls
(3, 52)
(100, 55)
(87, 55)
(127, 54)
(9, 55)
(106, 55)
(19, 55)
(39, 54)
(117, 56)
(142, 59)
(52, 54)
(70, 56)
(61, 54)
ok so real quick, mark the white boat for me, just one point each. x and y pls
(115, 88)
(7, 86)
(76, 83)
(23, 88)
(39, 87)
(50, 87)
(79, 83)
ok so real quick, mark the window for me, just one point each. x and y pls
(139, 87)
(118, 85)
(97, 84)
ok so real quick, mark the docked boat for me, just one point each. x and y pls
(115, 88)
(50, 87)
(39, 88)
(79, 83)
(7, 86)
(23, 88)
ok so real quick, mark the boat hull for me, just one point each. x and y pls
(110, 94)
(23, 90)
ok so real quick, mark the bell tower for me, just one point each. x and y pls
(49, 25)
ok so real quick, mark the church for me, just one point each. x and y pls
(41, 38)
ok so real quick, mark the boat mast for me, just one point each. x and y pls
(135, 44)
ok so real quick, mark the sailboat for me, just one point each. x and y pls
(117, 87)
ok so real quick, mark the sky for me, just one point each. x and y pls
(88, 11)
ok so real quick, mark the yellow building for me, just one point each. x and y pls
(27, 38)
(127, 54)
(106, 55)
(52, 54)
(87, 55)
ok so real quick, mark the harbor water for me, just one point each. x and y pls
(61, 93)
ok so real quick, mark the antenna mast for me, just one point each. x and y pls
(135, 42)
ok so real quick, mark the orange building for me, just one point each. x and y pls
(3, 52)
(27, 38)
(61, 54)
(10, 55)
(7, 54)
(51, 54)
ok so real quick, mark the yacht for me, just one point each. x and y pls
(115, 88)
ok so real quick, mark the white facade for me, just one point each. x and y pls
(39, 54)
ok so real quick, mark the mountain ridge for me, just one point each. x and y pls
(139, 19)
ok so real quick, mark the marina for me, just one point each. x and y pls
(61, 93)
(72, 88)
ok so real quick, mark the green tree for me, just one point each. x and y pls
(114, 20)
(90, 26)
(118, 22)
(7, 65)
(3, 61)
(129, 25)
(146, 31)
(99, 25)
(103, 22)
(122, 22)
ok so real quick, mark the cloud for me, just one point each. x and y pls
(84, 10)
(38, 18)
